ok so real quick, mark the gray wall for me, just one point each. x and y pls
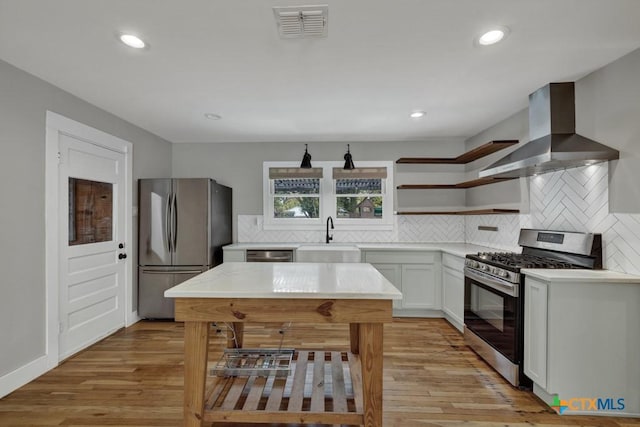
(24, 100)
(239, 165)
(608, 111)
(513, 192)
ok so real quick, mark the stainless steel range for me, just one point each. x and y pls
(494, 293)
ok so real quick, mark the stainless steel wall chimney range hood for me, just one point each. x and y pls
(553, 144)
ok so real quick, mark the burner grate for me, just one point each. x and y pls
(512, 259)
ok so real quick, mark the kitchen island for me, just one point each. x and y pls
(237, 293)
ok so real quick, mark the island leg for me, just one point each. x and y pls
(371, 358)
(196, 346)
(354, 337)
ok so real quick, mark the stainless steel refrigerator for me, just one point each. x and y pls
(183, 224)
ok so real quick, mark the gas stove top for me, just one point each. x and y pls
(507, 265)
(540, 249)
(515, 261)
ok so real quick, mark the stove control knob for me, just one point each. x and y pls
(484, 267)
(475, 264)
(503, 273)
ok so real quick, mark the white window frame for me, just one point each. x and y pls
(328, 201)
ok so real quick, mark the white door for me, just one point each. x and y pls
(92, 249)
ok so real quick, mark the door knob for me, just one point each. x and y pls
(122, 256)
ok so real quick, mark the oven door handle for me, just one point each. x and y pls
(502, 286)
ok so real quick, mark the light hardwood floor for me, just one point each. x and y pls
(134, 378)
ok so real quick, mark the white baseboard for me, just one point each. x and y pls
(454, 322)
(132, 318)
(21, 376)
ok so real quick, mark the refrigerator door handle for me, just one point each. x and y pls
(174, 230)
(167, 216)
(167, 224)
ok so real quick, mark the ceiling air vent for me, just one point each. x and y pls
(297, 22)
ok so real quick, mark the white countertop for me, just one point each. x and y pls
(288, 280)
(586, 276)
(458, 249)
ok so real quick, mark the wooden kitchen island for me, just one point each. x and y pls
(238, 293)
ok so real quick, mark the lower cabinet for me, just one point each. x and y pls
(233, 255)
(535, 331)
(417, 275)
(392, 273)
(420, 287)
(453, 296)
(581, 341)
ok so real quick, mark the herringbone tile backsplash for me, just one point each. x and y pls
(578, 200)
(506, 236)
(408, 228)
(571, 200)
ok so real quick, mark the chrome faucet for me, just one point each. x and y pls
(328, 237)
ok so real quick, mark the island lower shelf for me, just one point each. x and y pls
(324, 387)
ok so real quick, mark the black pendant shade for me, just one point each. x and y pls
(306, 159)
(348, 160)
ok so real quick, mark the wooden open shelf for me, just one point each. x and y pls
(467, 184)
(470, 212)
(325, 388)
(475, 154)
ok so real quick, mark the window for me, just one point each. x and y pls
(296, 198)
(292, 195)
(302, 199)
(359, 193)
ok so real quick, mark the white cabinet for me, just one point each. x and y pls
(581, 340)
(392, 273)
(453, 290)
(416, 274)
(233, 255)
(535, 331)
(420, 287)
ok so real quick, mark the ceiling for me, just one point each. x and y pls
(380, 61)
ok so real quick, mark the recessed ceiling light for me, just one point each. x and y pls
(212, 116)
(417, 114)
(493, 36)
(132, 41)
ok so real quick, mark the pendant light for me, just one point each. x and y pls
(306, 159)
(348, 160)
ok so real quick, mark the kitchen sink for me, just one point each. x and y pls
(328, 253)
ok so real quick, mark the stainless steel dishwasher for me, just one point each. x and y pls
(264, 255)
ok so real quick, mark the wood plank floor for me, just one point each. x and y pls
(134, 378)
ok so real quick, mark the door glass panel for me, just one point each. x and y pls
(90, 211)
